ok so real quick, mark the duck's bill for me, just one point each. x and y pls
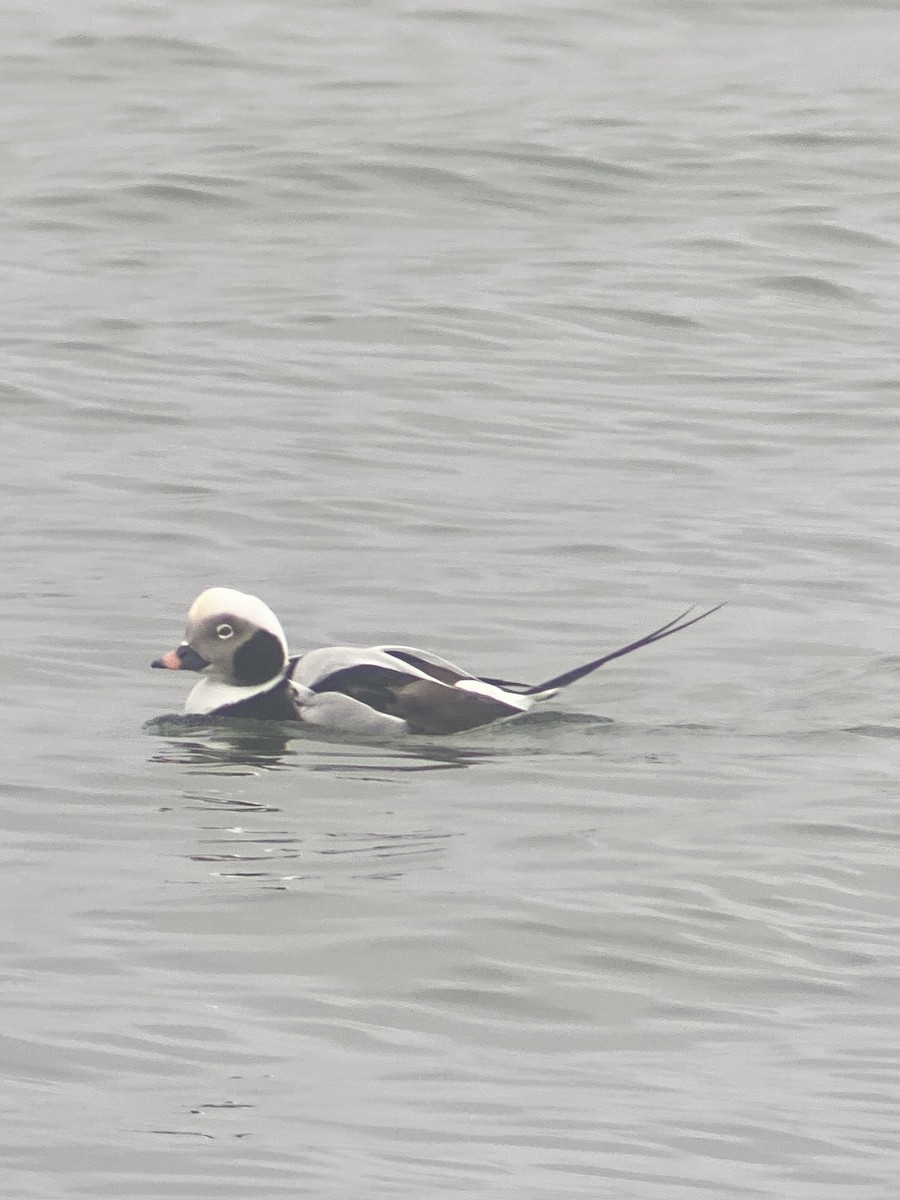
(182, 658)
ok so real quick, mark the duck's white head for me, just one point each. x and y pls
(232, 638)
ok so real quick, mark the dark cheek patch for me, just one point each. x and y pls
(259, 659)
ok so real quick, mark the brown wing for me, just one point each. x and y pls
(434, 708)
(426, 705)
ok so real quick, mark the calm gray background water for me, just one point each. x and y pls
(508, 330)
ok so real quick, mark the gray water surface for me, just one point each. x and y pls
(507, 331)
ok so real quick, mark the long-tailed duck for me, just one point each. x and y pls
(238, 646)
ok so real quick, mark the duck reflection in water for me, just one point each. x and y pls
(229, 746)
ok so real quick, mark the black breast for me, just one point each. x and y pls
(273, 705)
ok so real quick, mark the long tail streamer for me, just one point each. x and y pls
(664, 631)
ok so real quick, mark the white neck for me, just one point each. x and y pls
(209, 694)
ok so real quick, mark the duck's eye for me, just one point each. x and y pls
(224, 632)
